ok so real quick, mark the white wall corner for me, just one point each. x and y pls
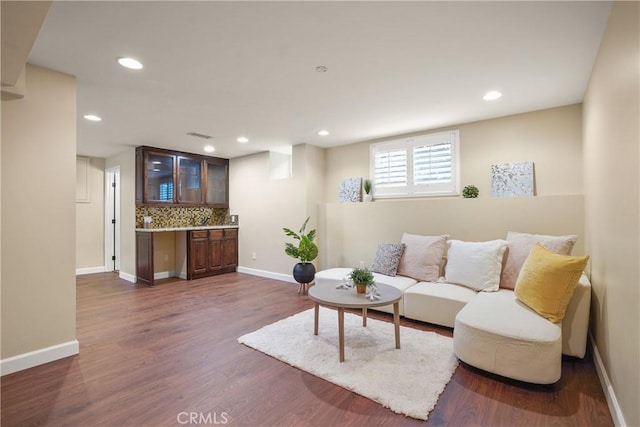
(609, 393)
(38, 357)
(128, 277)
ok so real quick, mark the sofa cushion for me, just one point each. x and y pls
(333, 276)
(499, 334)
(547, 281)
(476, 265)
(387, 258)
(520, 245)
(422, 256)
(436, 303)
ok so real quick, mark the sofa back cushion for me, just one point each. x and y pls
(422, 257)
(476, 265)
(520, 244)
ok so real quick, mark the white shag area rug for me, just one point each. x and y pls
(408, 381)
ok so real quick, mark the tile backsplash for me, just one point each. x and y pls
(166, 216)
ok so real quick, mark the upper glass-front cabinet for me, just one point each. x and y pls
(189, 180)
(159, 178)
(217, 184)
(172, 177)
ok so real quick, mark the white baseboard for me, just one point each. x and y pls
(267, 274)
(609, 393)
(90, 270)
(164, 275)
(128, 277)
(38, 357)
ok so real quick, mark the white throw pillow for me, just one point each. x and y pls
(476, 265)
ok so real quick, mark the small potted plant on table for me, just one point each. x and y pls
(362, 278)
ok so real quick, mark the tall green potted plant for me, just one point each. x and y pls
(305, 251)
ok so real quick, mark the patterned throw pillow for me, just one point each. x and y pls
(387, 258)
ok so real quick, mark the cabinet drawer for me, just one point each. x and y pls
(200, 234)
(215, 234)
(230, 233)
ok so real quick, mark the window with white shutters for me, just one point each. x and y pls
(417, 166)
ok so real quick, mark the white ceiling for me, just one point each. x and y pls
(231, 69)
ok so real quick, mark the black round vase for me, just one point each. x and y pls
(304, 272)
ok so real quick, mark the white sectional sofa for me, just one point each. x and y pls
(494, 330)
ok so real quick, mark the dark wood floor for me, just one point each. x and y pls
(153, 356)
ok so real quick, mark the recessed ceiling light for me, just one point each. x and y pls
(243, 139)
(131, 63)
(92, 117)
(209, 148)
(321, 69)
(323, 133)
(492, 95)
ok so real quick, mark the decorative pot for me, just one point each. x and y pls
(367, 198)
(361, 288)
(304, 272)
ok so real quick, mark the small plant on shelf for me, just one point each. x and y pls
(470, 192)
(362, 278)
(367, 185)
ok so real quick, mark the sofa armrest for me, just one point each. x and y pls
(575, 324)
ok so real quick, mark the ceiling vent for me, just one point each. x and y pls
(199, 135)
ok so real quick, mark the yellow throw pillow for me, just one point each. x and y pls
(547, 280)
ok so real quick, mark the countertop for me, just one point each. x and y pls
(193, 227)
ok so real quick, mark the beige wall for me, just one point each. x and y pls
(127, 162)
(164, 252)
(90, 220)
(353, 231)
(551, 138)
(265, 206)
(38, 214)
(611, 144)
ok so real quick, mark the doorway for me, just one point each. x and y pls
(112, 219)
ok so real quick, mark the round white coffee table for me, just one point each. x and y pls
(328, 295)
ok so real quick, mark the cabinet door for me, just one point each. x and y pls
(198, 254)
(217, 184)
(190, 180)
(144, 257)
(230, 248)
(215, 249)
(159, 178)
(140, 169)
